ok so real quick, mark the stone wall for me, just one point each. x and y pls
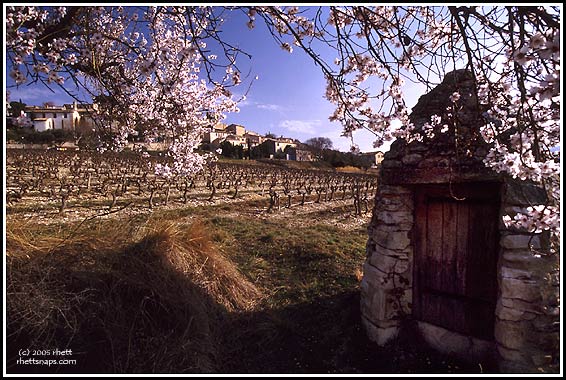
(527, 310)
(387, 281)
(528, 313)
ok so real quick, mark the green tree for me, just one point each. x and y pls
(232, 151)
(319, 143)
(16, 108)
(262, 150)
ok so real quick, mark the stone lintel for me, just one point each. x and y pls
(385, 189)
(413, 176)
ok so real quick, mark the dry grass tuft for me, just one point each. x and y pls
(191, 251)
(127, 298)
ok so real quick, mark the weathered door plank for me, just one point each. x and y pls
(455, 258)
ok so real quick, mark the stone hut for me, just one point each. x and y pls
(441, 263)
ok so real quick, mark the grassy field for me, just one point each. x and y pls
(218, 288)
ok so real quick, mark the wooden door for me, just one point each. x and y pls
(456, 253)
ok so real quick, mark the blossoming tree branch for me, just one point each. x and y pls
(152, 71)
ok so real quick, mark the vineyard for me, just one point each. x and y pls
(247, 267)
(143, 262)
(61, 181)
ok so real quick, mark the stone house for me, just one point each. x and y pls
(300, 152)
(236, 140)
(236, 129)
(253, 139)
(280, 144)
(441, 264)
(69, 117)
(235, 134)
(216, 134)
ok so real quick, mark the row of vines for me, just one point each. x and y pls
(110, 179)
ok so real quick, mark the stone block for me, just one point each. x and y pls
(510, 354)
(419, 147)
(367, 290)
(527, 307)
(391, 227)
(523, 194)
(518, 274)
(520, 289)
(394, 190)
(526, 257)
(396, 150)
(521, 242)
(377, 301)
(511, 334)
(389, 264)
(452, 343)
(372, 277)
(508, 314)
(544, 342)
(442, 340)
(371, 303)
(506, 302)
(411, 159)
(394, 217)
(395, 203)
(380, 335)
(392, 240)
(370, 306)
(379, 309)
(391, 164)
(436, 162)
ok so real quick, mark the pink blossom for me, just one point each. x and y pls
(537, 41)
(455, 97)
(521, 56)
(287, 46)
(18, 76)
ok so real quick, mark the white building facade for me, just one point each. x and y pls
(68, 117)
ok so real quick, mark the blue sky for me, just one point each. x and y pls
(286, 99)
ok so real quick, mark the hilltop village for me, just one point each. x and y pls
(69, 126)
